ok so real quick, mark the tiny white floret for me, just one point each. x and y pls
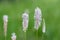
(5, 18)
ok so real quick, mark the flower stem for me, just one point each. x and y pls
(5, 37)
(37, 35)
(25, 36)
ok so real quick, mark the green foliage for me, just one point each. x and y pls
(51, 13)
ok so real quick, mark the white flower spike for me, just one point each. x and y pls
(5, 20)
(44, 27)
(25, 17)
(38, 18)
(13, 37)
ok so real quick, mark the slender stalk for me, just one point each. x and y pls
(36, 34)
(5, 37)
(5, 29)
(25, 36)
(43, 36)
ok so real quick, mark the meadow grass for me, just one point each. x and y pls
(50, 11)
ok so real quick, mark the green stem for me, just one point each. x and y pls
(5, 37)
(42, 36)
(37, 35)
(24, 35)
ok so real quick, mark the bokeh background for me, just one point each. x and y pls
(15, 8)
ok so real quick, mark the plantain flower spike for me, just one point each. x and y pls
(25, 18)
(5, 20)
(37, 18)
(44, 27)
(13, 37)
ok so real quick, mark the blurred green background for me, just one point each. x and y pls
(15, 8)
